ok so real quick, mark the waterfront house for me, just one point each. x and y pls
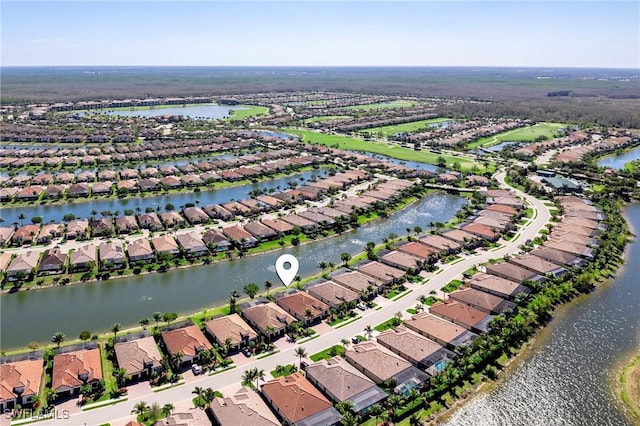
(415, 348)
(380, 365)
(186, 340)
(446, 333)
(192, 244)
(357, 282)
(195, 215)
(171, 182)
(484, 231)
(341, 382)
(260, 231)
(53, 261)
(280, 226)
(216, 241)
(266, 317)
(166, 244)
(30, 193)
(5, 259)
(218, 212)
(83, 258)
(149, 184)
(77, 229)
(513, 272)
(572, 248)
(172, 219)
(236, 208)
(558, 257)
(6, 194)
(418, 250)
(80, 189)
(297, 402)
(302, 305)
(25, 234)
(126, 224)
(244, 408)
(5, 234)
(400, 260)
(49, 232)
(238, 236)
(384, 273)
(140, 251)
(20, 382)
(486, 302)
(101, 188)
(102, 227)
(498, 286)
(107, 175)
(55, 192)
(231, 327)
(443, 245)
(150, 221)
(465, 239)
(331, 293)
(111, 256)
(22, 265)
(138, 357)
(75, 369)
(464, 315)
(538, 265)
(307, 226)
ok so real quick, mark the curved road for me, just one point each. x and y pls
(120, 412)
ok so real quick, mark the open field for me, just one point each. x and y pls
(522, 134)
(405, 127)
(251, 111)
(400, 103)
(394, 151)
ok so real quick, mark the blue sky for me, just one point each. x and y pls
(331, 33)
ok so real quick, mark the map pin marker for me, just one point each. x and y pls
(287, 268)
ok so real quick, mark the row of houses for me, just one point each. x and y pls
(574, 154)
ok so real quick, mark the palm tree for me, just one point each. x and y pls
(58, 338)
(154, 412)
(349, 419)
(228, 343)
(121, 376)
(345, 257)
(322, 265)
(177, 359)
(259, 375)
(50, 395)
(300, 353)
(198, 391)
(393, 403)
(140, 408)
(157, 316)
(368, 331)
(267, 286)
(144, 322)
(167, 409)
(414, 420)
(22, 217)
(308, 315)
(115, 328)
(376, 410)
(249, 376)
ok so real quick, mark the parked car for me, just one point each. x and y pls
(355, 340)
(196, 369)
(304, 365)
(246, 352)
(361, 306)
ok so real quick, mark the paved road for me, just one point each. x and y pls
(116, 414)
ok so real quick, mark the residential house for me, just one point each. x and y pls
(468, 317)
(25, 234)
(297, 402)
(380, 365)
(20, 382)
(332, 293)
(513, 272)
(77, 229)
(358, 282)
(443, 245)
(418, 250)
(303, 306)
(192, 244)
(111, 256)
(5, 234)
(231, 327)
(341, 382)
(23, 265)
(216, 241)
(195, 215)
(138, 357)
(280, 226)
(486, 302)
(385, 273)
(150, 221)
(186, 340)
(498, 286)
(126, 224)
(238, 236)
(558, 257)
(80, 189)
(244, 408)
(401, 260)
(165, 244)
(172, 219)
(75, 369)
(538, 265)
(416, 348)
(53, 261)
(446, 333)
(484, 231)
(83, 258)
(260, 231)
(465, 239)
(140, 251)
(49, 232)
(266, 317)
(102, 227)
(577, 249)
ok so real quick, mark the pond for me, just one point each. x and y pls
(618, 161)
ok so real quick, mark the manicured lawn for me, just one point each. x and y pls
(324, 118)
(452, 286)
(405, 127)
(251, 111)
(400, 103)
(388, 324)
(326, 354)
(287, 370)
(521, 134)
(391, 150)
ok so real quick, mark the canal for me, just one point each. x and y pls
(569, 377)
(83, 208)
(38, 314)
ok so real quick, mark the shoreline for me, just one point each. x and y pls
(627, 385)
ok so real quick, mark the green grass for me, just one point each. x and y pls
(324, 118)
(452, 286)
(521, 134)
(391, 323)
(400, 103)
(391, 150)
(405, 127)
(251, 111)
(326, 354)
(288, 369)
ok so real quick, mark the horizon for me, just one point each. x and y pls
(522, 34)
(509, 67)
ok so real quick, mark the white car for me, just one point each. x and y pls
(196, 369)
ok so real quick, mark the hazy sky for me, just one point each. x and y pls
(418, 33)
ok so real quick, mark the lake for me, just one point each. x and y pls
(96, 306)
(569, 378)
(618, 161)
